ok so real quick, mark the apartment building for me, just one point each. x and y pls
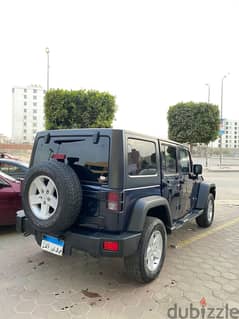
(27, 113)
(230, 138)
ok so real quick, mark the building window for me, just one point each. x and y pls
(25, 96)
(25, 103)
(34, 97)
(13, 90)
(226, 145)
(24, 123)
(34, 111)
(25, 131)
(25, 110)
(34, 103)
(35, 91)
(34, 118)
(24, 137)
(34, 131)
(25, 90)
(34, 124)
(25, 117)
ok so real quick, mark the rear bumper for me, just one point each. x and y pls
(89, 241)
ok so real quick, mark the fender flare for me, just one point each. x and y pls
(141, 208)
(204, 191)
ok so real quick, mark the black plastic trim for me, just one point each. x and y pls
(91, 242)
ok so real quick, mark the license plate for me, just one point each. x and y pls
(52, 245)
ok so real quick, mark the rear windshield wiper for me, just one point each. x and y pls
(73, 140)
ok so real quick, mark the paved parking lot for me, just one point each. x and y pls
(201, 265)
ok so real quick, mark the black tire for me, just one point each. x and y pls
(136, 265)
(205, 220)
(69, 196)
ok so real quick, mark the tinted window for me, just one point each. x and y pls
(184, 161)
(10, 169)
(89, 160)
(169, 159)
(3, 183)
(141, 157)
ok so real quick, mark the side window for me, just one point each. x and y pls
(141, 157)
(184, 161)
(3, 183)
(10, 169)
(169, 159)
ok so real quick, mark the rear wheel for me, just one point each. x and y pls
(205, 220)
(145, 265)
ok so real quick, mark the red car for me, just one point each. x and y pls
(10, 199)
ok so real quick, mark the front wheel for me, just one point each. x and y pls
(146, 264)
(205, 220)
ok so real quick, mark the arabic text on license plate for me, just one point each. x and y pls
(52, 245)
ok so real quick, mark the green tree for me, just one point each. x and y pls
(79, 109)
(193, 122)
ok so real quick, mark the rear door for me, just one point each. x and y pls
(170, 177)
(185, 180)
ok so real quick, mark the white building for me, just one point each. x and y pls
(27, 113)
(230, 138)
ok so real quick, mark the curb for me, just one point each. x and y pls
(225, 169)
(218, 170)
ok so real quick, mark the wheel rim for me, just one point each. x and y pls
(154, 251)
(43, 197)
(210, 210)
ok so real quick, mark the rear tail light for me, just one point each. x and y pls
(111, 245)
(113, 201)
(58, 156)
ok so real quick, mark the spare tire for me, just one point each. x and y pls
(51, 196)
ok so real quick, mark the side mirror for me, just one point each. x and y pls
(197, 169)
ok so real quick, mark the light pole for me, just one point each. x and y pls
(208, 95)
(208, 101)
(221, 122)
(48, 67)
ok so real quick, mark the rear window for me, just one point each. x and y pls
(90, 160)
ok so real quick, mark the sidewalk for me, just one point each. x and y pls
(222, 169)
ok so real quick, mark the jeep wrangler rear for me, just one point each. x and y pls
(112, 193)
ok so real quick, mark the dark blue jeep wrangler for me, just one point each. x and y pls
(112, 193)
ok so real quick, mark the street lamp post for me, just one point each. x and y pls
(48, 67)
(221, 122)
(208, 95)
(208, 101)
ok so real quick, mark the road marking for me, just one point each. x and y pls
(187, 242)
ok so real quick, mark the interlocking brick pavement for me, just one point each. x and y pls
(38, 285)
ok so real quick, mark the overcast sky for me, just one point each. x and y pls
(149, 54)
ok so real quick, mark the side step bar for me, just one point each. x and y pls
(180, 222)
